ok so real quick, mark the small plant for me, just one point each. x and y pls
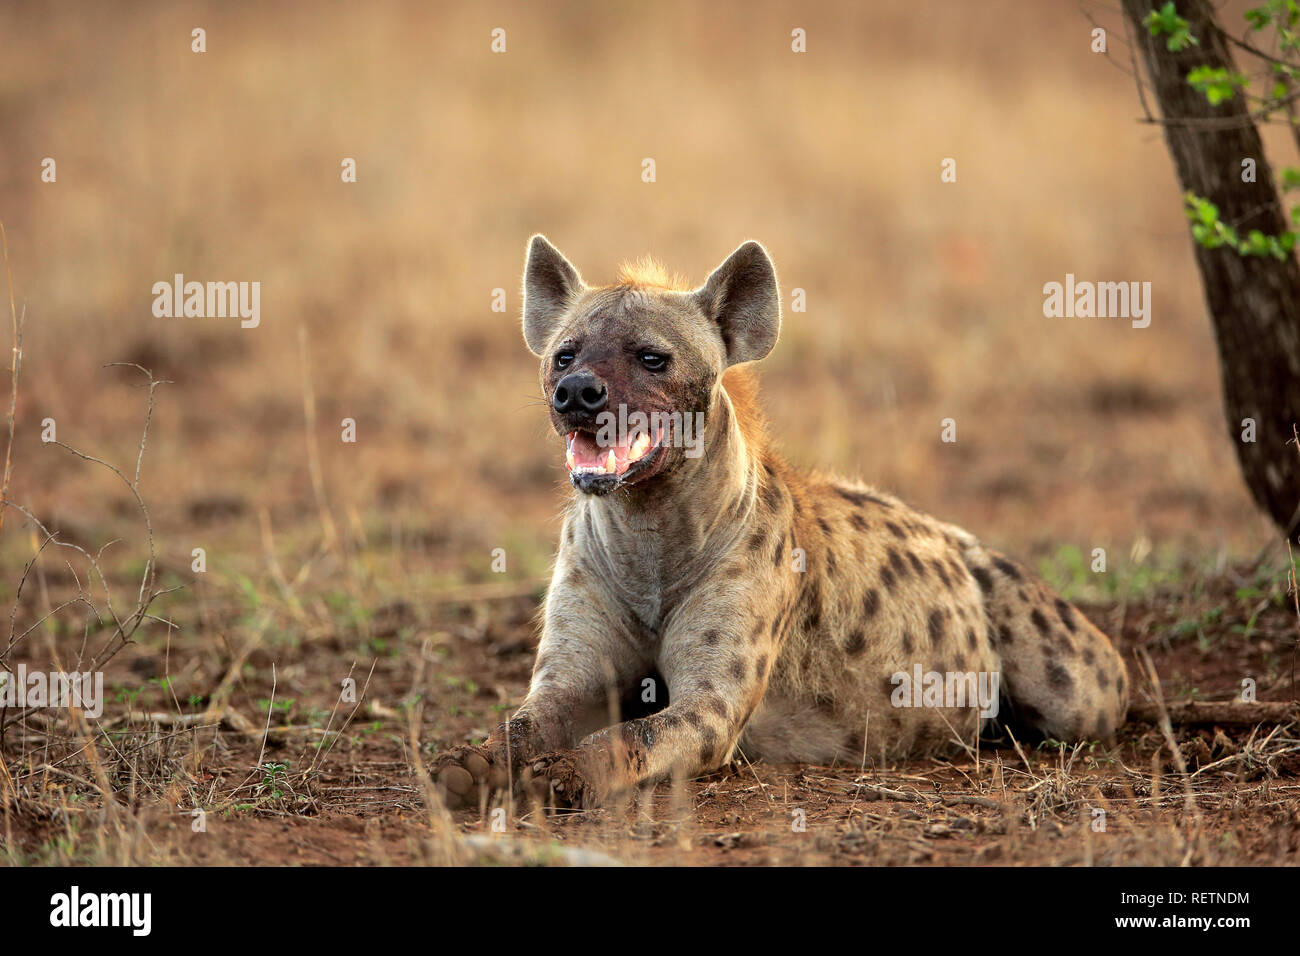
(273, 776)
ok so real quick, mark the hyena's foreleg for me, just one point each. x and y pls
(715, 681)
(584, 655)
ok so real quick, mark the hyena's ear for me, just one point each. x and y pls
(550, 285)
(742, 298)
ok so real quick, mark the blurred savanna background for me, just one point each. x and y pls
(924, 302)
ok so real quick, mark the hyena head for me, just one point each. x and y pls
(631, 371)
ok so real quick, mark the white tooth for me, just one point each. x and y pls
(611, 464)
(639, 447)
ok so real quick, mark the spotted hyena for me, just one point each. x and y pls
(740, 603)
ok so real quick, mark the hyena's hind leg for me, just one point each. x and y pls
(1061, 676)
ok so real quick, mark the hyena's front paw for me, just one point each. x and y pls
(560, 780)
(463, 774)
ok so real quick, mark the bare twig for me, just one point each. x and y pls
(1228, 713)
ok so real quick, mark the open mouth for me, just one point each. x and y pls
(600, 467)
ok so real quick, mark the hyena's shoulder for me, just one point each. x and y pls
(830, 508)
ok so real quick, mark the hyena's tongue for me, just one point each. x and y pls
(586, 455)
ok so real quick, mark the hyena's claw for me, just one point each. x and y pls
(559, 783)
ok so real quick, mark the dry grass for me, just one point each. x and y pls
(371, 560)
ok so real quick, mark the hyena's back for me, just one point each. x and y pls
(886, 588)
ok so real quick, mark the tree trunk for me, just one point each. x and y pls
(1254, 301)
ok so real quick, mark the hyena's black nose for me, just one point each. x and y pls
(580, 392)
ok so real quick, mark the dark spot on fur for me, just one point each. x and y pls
(1067, 614)
(711, 638)
(760, 667)
(1102, 681)
(780, 553)
(871, 602)
(1039, 620)
(826, 529)
(895, 530)
(856, 643)
(970, 639)
(897, 564)
(1089, 657)
(812, 604)
(718, 706)
(887, 578)
(907, 642)
(758, 540)
(1007, 568)
(984, 578)
(1059, 677)
(858, 522)
(941, 572)
(737, 668)
(669, 721)
(935, 625)
(709, 736)
(917, 566)
(860, 497)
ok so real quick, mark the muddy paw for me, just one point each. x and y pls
(560, 782)
(463, 774)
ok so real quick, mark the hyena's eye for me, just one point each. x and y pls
(653, 361)
(563, 359)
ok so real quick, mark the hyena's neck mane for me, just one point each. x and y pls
(741, 386)
(652, 544)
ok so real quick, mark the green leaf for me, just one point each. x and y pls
(1216, 83)
(1167, 22)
